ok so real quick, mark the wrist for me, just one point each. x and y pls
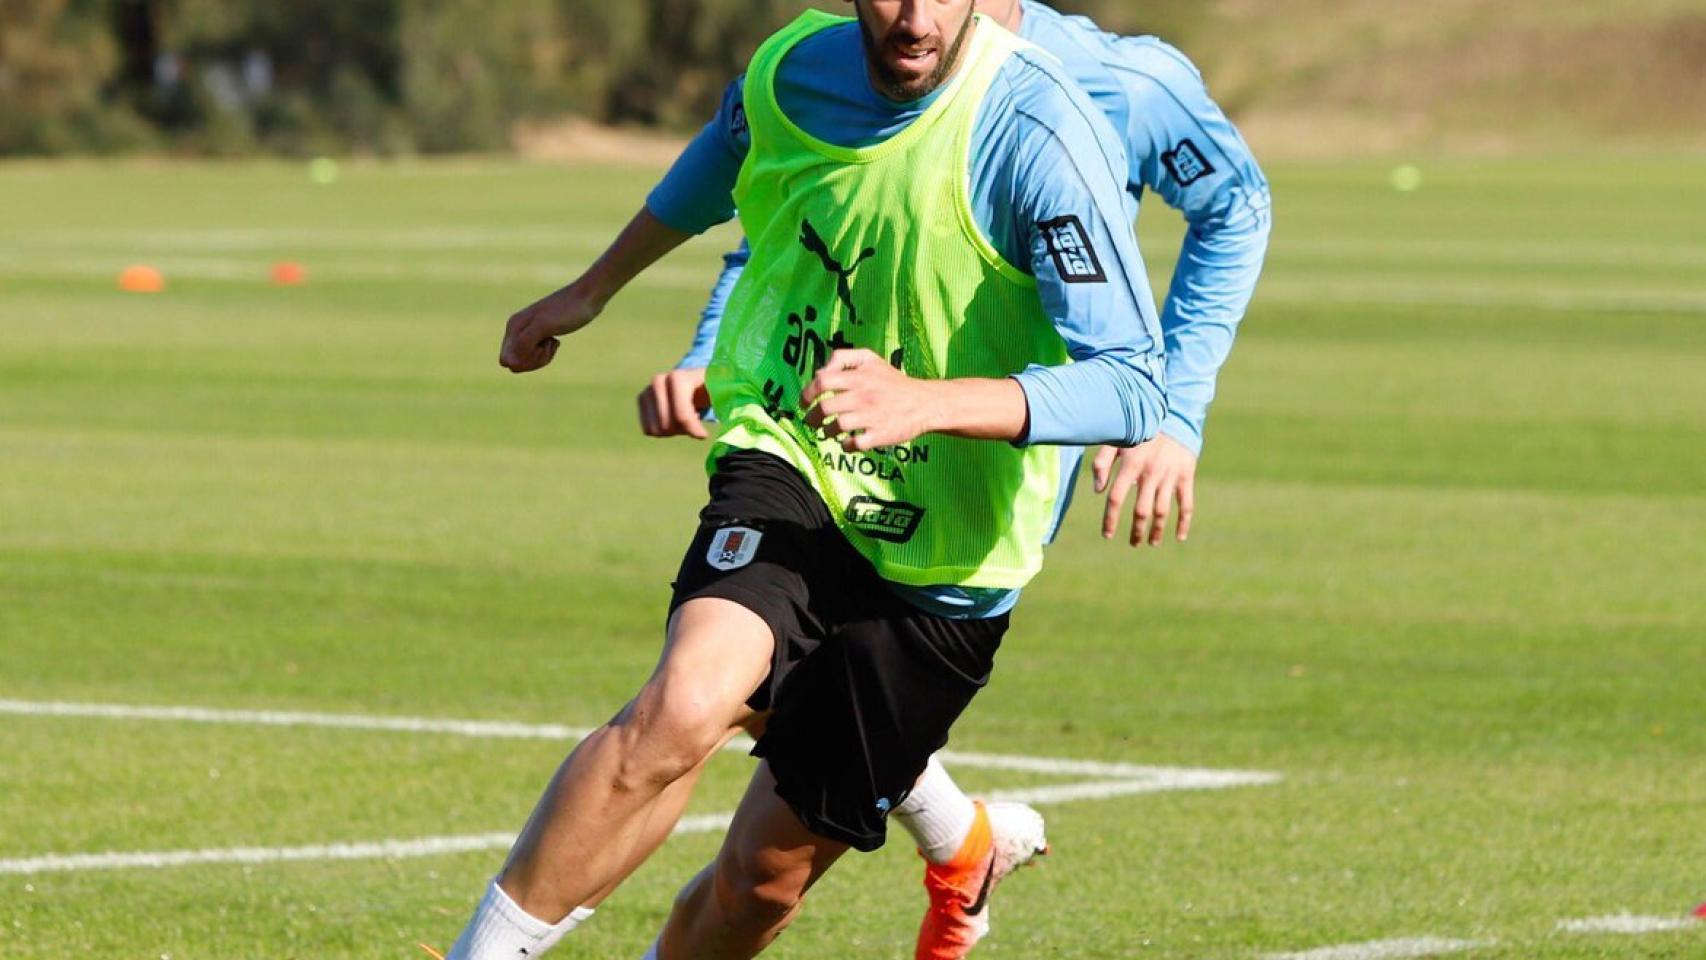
(1180, 430)
(590, 294)
(933, 407)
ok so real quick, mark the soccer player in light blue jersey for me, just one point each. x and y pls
(854, 674)
(1179, 146)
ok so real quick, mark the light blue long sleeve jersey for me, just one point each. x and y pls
(1179, 145)
(1048, 191)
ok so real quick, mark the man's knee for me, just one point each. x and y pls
(761, 889)
(666, 733)
(718, 652)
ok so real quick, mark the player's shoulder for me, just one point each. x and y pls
(1162, 63)
(1033, 81)
(1132, 69)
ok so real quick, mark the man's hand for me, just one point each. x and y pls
(858, 397)
(670, 404)
(1161, 469)
(530, 339)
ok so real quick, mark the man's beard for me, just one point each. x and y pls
(906, 91)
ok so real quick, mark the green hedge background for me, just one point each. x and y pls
(379, 76)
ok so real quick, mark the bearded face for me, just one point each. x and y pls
(913, 46)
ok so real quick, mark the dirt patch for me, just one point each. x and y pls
(582, 141)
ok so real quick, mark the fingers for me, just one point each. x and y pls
(1187, 506)
(512, 332)
(1163, 509)
(510, 354)
(861, 439)
(1143, 510)
(682, 408)
(525, 345)
(1129, 469)
(826, 381)
(651, 424)
(521, 357)
(821, 416)
(845, 359)
(839, 373)
(1102, 466)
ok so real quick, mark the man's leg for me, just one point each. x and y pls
(665, 812)
(998, 838)
(937, 814)
(735, 907)
(583, 835)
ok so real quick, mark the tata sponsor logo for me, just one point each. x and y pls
(884, 519)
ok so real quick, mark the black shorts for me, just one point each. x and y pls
(863, 686)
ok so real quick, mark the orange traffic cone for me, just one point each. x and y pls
(289, 274)
(140, 278)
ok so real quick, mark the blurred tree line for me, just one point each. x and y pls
(381, 76)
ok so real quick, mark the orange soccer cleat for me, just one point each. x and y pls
(1005, 837)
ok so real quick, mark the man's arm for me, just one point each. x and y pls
(530, 339)
(1186, 151)
(1056, 172)
(695, 195)
(859, 397)
(1190, 155)
(1070, 229)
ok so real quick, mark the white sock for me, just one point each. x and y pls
(937, 814)
(501, 930)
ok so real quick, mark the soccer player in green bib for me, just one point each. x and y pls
(893, 374)
(1181, 150)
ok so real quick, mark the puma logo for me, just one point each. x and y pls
(814, 243)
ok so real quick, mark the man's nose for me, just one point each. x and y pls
(917, 20)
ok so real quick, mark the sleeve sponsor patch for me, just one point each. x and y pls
(1074, 256)
(1186, 163)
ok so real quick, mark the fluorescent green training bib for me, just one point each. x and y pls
(876, 247)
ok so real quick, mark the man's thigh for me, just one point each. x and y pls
(758, 547)
(857, 720)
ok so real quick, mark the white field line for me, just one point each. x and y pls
(1628, 924)
(1114, 780)
(278, 718)
(1096, 768)
(1622, 923)
(376, 850)
(1167, 778)
(1384, 949)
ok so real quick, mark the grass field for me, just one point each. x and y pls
(1448, 578)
